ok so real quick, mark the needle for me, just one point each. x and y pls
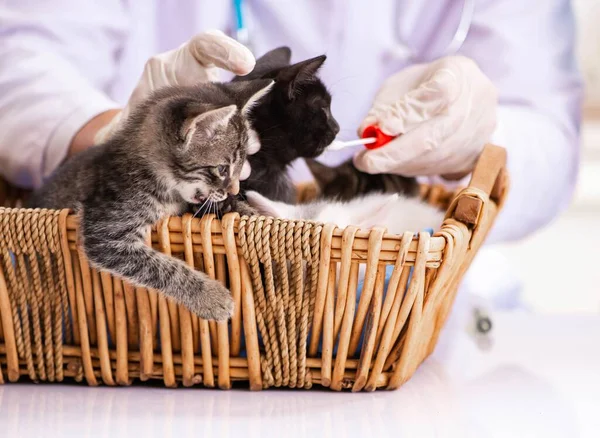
(336, 145)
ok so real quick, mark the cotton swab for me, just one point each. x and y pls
(337, 145)
(372, 138)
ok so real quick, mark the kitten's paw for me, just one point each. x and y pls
(213, 302)
(244, 209)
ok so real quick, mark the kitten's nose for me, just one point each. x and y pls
(335, 127)
(234, 187)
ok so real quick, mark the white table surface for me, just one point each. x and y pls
(540, 378)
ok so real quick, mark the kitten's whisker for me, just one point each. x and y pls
(212, 204)
(205, 202)
(343, 78)
(197, 211)
(200, 208)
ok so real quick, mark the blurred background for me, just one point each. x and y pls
(559, 265)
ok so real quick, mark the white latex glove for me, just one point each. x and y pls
(195, 61)
(444, 112)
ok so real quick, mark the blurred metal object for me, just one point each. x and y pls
(241, 29)
(480, 328)
(483, 323)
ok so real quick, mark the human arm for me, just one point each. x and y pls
(58, 57)
(85, 137)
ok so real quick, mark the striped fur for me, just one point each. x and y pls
(184, 144)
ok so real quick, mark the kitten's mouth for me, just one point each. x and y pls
(318, 151)
(213, 198)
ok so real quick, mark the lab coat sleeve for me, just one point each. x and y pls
(527, 49)
(57, 59)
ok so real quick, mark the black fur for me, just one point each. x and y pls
(346, 182)
(293, 121)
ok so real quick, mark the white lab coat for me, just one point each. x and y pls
(63, 62)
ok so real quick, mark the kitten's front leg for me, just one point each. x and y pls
(123, 253)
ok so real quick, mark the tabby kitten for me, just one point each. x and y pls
(346, 182)
(183, 145)
(293, 121)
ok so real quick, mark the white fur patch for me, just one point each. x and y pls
(245, 173)
(270, 208)
(188, 190)
(255, 98)
(253, 142)
(395, 212)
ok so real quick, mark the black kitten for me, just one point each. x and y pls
(346, 182)
(293, 121)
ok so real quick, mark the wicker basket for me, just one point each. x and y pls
(299, 318)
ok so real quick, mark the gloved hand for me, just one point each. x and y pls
(443, 112)
(193, 62)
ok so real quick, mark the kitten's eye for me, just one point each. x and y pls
(222, 170)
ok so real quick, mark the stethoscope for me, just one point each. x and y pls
(400, 49)
(403, 51)
(241, 30)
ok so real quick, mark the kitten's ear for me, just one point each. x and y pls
(249, 93)
(208, 122)
(379, 214)
(324, 175)
(299, 73)
(269, 208)
(268, 65)
(274, 59)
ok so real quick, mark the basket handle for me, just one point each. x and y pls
(488, 177)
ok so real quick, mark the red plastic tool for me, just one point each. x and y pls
(381, 139)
